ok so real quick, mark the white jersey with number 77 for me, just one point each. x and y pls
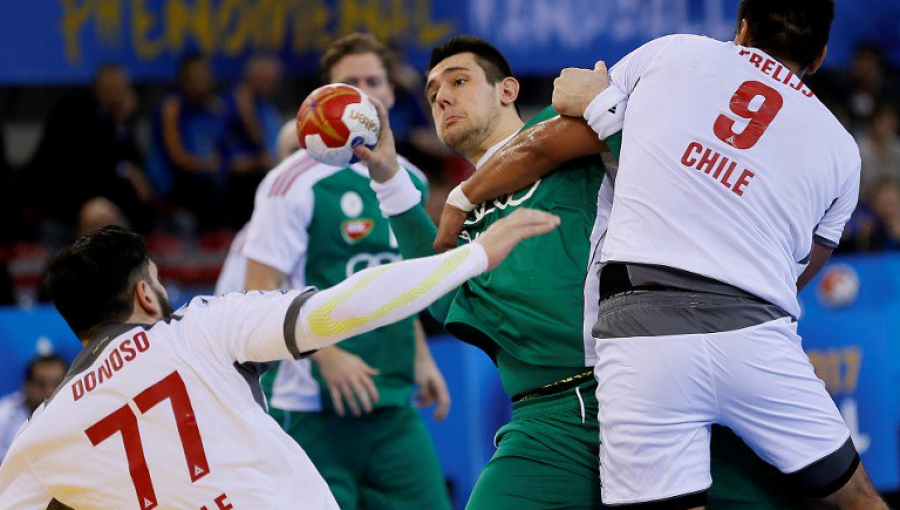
(169, 416)
(730, 168)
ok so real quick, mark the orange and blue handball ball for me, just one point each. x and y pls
(333, 120)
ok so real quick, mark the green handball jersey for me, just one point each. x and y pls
(527, 313)
(320, 224)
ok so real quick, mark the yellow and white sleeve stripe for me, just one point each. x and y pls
(380, 296)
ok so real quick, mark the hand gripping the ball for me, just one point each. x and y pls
(382, 160)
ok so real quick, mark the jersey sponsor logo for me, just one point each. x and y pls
(126, 351)
(362, 261)
(501, 203)
(354, 231)
(351, 204)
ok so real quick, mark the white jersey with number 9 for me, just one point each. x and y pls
(730, 167)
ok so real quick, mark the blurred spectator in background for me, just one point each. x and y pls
(868, 81)
(8, 198)
(42, 376)
(252, 122)
(97, 213)
(879, 148)
(886, 209)
(188, 135)
(88, 149)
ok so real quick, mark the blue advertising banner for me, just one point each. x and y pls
(851, 331)
(63, 41)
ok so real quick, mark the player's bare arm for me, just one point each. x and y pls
(532, 154)
(432, 388)
(818, 259)
(260, 276)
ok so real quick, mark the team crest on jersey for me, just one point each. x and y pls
(356, 230)
(351, 204)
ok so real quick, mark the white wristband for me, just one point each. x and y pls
(457, 198)
(606, 112)
(397, 195)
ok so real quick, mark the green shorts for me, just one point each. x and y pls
(547, 459)
(383, 460)
(742, 481)
(547, 456)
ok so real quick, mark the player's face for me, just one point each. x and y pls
(465, 107)
(365, 71)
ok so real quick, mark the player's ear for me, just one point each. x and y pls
(812, 68)
(145, 300)
(509, 91)
(742, 36)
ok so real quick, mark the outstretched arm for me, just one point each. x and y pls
(267, 326)
(379, 296)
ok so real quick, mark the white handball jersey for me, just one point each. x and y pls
(234, 269)
(278, 232)
(730, 166)
(169, 416)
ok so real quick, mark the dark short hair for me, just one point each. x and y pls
(41, 360)
(795, 30)
(489, 58)
(92, 281)
(354, 44)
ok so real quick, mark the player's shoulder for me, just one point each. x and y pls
(296, 175)
(686, 42)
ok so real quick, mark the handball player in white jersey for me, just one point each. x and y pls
(733, 177)
(733, 188)
(163, 409)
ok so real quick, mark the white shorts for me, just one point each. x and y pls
(659, 395)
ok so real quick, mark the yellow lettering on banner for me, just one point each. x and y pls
(391, 19)
(839, 368)
(361, 15)
(142, 23)
(852, 364)
(311, 26)
(234, 27)
(75, 15)
(182, 21)
(230, 26)
(430, 32)
(109, 22)
(274, 33)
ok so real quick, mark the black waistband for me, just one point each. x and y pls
(618, 277)
(555, 387)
